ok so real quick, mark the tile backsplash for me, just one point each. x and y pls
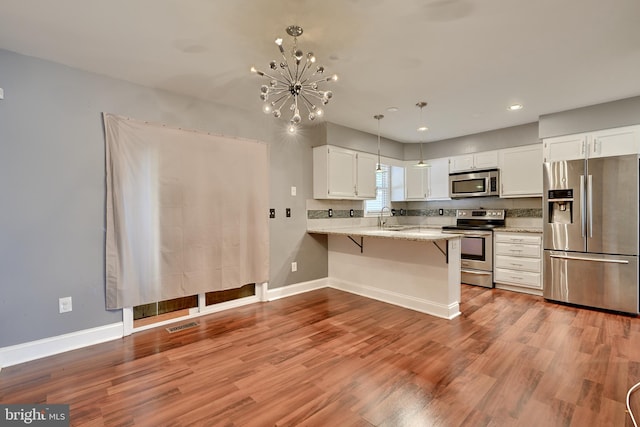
(526, 212)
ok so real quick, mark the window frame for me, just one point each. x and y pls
(381, 190)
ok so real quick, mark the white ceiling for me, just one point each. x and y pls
(469, 59)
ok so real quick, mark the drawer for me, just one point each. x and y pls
(516, 249)
(519, 263)
(529, 238)
(521, 278)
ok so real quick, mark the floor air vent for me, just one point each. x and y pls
(182, 327)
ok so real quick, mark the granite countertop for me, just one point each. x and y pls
(401, 233)
(519, 229)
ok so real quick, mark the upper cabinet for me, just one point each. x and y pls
(603, 143)
(415, 182)
(475, 161)
(615, 142)
(438, 179)
(521, 171)
(339, 173)
(422, 183)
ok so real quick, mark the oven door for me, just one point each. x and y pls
(477, 258)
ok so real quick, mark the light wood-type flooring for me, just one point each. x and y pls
(330, 358)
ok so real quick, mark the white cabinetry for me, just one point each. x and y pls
(366, 175)
(475, 161)
(415, 181)
(603, 143)
(518, 262)
(521, 171)
(426, 183)
(438, 179)
(339, 173)
(615, 142)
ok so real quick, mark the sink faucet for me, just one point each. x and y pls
(382, 222)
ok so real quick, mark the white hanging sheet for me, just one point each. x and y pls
(186, 212)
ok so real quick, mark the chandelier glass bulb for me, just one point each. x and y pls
(295, 83)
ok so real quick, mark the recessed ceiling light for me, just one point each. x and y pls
(515, 107)
(392, 109)
(423, 129)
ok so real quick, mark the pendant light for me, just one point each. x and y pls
(378, 117)
(421, 128)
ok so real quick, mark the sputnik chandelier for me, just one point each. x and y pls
(294, 85)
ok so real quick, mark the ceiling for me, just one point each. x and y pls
(469, 59)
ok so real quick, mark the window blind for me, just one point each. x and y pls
(383, 193)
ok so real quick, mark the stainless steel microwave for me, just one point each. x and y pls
(474, 184)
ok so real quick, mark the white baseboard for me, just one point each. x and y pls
(428, 307)
(298, 288)
(25, 352)
(32, 350)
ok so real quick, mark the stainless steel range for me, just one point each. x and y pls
(476, 226)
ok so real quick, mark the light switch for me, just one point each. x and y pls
(1, 93)
(293, 191)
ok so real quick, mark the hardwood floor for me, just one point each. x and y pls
(329, 358)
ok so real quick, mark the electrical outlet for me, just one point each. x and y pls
(288, 213)
(440, 211)
(294, 266)
(352, 213)
(330, 212)
(65, 304)
(272, 213)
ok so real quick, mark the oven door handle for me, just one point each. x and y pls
(476, 234)
(477, 273)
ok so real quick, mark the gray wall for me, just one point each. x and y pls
(53, 189)
(485, 141)
(345, 137)
(613, 114)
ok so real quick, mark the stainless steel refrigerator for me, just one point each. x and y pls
(591, 232)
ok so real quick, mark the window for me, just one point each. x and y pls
(383, 193)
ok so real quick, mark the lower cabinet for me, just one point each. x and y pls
(518, 262)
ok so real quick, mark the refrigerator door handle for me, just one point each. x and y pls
(579, 258)
(590, 202)
(583, 219)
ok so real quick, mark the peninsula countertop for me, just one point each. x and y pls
(417, 233)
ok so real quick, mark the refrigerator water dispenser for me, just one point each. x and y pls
(560, 206)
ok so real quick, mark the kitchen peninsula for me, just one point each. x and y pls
(413, 267)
